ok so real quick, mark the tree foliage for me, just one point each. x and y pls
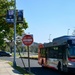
(7, 30)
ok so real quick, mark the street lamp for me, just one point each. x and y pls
(14, 61)
(49, 37)
(68, 31)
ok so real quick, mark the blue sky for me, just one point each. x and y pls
(48, 18)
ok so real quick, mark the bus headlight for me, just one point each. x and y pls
(70, 64)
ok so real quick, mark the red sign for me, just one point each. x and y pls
(27, 40)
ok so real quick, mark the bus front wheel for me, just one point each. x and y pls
(65, 69)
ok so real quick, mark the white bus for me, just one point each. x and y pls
(58, 54)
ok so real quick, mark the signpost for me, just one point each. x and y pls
(14, 61)
(28, 40)
(12, 17)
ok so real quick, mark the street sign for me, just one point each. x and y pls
(27, 40)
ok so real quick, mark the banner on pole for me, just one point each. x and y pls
(19, 16)
(10, 16)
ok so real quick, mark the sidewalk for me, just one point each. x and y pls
(6, 69)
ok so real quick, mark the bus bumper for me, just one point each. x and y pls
(71, 70)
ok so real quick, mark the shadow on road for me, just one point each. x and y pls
(46, 71)
(43, 71)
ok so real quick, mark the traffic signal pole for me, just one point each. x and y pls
(14, 61)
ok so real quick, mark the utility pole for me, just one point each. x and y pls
(14, 61)
(68, 31)
(49, 37)
(73, 33)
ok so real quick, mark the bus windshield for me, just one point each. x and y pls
(71, 51)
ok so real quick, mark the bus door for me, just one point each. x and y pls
(65, 58)
(52, 59)
(43, 56)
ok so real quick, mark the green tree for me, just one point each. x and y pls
(7, 30)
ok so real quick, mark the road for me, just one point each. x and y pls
(34, 66)
(33, 63)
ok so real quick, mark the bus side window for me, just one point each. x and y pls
(48, 52)
(64, 52)
(60, 52)
(51, 53)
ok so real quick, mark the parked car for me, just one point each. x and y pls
(3, 53)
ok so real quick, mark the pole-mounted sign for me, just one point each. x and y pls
(27, 40)
(10, 16)
(19, 14)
